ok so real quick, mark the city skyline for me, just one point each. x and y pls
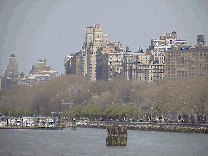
(52, 30)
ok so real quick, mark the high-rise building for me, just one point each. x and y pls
(40, 66)
(166, 42)
(186, 62)
(67, 64)
(41, 72)
(75, 64)
(12, 68)
(11, 74)
(93, 41)
(109, 61)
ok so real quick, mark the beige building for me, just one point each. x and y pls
(109, 61)
(98, 41)
(41, 72)
(12, 68)
(166, 42)
(84, 62)
(12, 74)
(93, 41)
(75, 63)
(143, 66)
(72, 64)
(67, 64)
(186, 62)
(40, 66)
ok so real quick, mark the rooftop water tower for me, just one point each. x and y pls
(200, 40)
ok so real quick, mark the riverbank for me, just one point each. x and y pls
(34, 128)
(164, 127)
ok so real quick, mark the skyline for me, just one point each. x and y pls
(52, 30)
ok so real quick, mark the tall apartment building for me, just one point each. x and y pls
(186, 62)
(12, 68)
(144, 66)
(67, 64)
(166, 42)
(109, 61)
(41, 72)
(130, 65)
(83, 52)
(75, 63)
(11, 74)
(93, 41)
(72, 64)
(0, 82)
(40, 66)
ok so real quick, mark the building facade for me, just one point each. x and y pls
(12, 68)
(186, 62)
(39, 73)
(166, 57)
(109, 63)
(12, 73)
(166, 42)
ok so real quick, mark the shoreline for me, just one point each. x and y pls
(161, 127)
(201, 129)
(34, 128)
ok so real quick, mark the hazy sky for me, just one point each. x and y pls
(52, 29)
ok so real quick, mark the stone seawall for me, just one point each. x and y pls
(166, 127)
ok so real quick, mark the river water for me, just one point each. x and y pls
(90, 141)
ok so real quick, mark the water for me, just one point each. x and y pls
(89, 141)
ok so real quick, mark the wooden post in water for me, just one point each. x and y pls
(73, 124)
(116, 135)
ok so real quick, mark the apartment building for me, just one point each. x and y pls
(109, 61)
(98, 41)
(67, 64)
(12, 68)
(166, 42)
(83, 62)
(40, 66)
(93, 41)
(83, 52)
(72, 64)
(186, 62)
(41, 72)
(143, 66)
(11, 74)
(75, 63)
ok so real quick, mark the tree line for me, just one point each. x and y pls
(104, 112)
(73, 92)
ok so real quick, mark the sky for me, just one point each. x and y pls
(53, 29)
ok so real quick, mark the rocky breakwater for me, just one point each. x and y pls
(164, 127)
(170, 128)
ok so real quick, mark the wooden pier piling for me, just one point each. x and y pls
(73, 124)
(116, 136)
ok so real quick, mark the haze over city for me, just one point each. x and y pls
(54, 29)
